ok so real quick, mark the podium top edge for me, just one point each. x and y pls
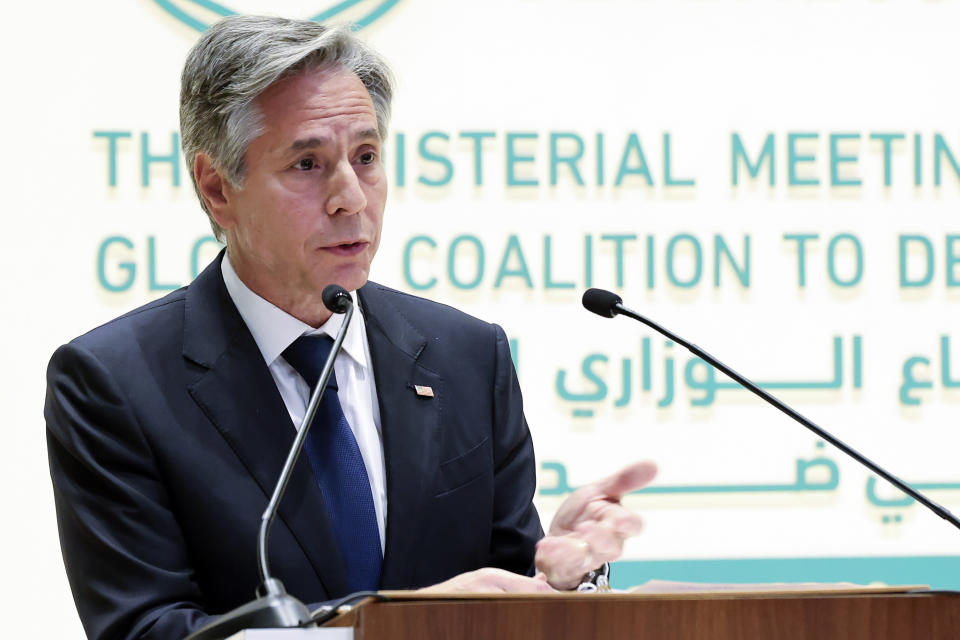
(748, 591)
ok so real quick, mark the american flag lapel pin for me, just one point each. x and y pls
(423, 390)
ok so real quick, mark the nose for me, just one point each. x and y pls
(346, 196)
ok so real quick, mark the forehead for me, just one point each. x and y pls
(330, 98)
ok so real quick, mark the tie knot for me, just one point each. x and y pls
(307, 355)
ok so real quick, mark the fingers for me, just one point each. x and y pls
(605, 539)
(563, 560)
(597, 537)
(490, 580)
(591, 526)
(628, 479)
(608, 490)
(508, 582)
(612, 515)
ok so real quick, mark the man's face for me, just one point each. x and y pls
(310, 209)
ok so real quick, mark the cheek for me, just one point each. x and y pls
(273, 226)
(374, 180)
(375, 191)
(374, 218)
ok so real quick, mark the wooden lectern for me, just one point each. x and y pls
(839, 615)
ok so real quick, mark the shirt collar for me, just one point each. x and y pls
(274, 329)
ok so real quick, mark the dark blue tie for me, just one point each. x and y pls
(338, 467)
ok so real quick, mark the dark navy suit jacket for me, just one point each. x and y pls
(166, 435)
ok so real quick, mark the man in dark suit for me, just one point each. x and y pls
(168, 426)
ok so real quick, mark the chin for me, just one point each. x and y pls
(351, 279)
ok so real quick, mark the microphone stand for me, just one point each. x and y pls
(274, 608)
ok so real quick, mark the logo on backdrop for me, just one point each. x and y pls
(200, 14)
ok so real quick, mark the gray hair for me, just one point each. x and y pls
(237, 59)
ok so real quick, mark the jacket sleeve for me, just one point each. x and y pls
(516, 525)
(125, 555)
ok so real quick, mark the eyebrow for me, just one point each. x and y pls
(310, 143)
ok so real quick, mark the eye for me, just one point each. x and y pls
(306, 164)
(367, 157)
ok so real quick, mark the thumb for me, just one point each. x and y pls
(628, 479)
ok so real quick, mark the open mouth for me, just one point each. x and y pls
(347, 248)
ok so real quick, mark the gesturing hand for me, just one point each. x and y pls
(591, 526)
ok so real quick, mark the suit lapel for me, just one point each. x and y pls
(239, 396)
(410, 426)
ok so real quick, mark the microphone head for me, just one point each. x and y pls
(601, 302)
(336, 298)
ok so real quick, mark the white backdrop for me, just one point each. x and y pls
(857, 106)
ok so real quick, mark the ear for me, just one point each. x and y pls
(214, 189)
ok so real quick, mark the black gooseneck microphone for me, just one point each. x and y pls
(273, 607)
(608, 304)
(337, 300)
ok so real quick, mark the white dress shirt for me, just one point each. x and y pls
(274, 330)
